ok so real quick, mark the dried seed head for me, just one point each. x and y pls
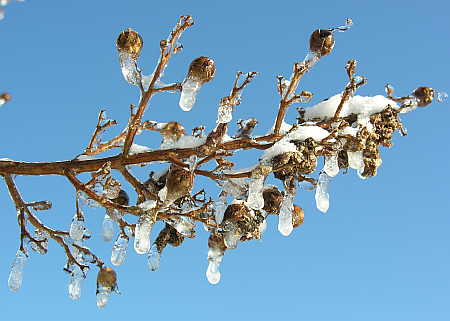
(168, 235)
(298, 216)
(272, 200)
(5, 96)
(424, 96)
(216, 240)
(202, 69)
(122, 198)
(130, 42)
(107, 278)
(235, 213)
(173, 131)
(321, 42)
(178, 183)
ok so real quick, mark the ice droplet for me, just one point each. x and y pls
(255, 198)
(331, 165)
(77, 228)
(103, 294)
(75, 283)
(189, 93)
(285, 226)
(213, 273)
(16, 274)
(142, 235)
(107, 228)
(119, 250)
(128, 67)
(322, 197)
(154, 258)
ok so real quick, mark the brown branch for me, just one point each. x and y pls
(143, 193)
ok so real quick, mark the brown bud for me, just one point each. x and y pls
(5, 96)
(321, 42)
(424, 96)
(272, 200)
(173, 130)
(298, 216)
(202, 69)
(129, 41)
(107, 278)
(122, 198)
(178, 183)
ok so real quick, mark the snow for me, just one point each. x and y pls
(138, 149)
(284, 128)
(148, 205)
(355, 105)
(184, 142)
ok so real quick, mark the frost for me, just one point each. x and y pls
(355, 105)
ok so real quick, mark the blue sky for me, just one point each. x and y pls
(381, 252)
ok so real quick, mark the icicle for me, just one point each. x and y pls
(285, 225)
(189, 93)
(355, 160)
(154, 258)
(119, 250)
(322, 197)
(107, 228)
(77, 228)
(220, 207)
(142, 234)
(215, 256)
(255, 198)
(103, 294)
(128, 67)
(76, 278)
(16, 274)
(231, 238)
(184, 225)
(331, 165)
(41, 236)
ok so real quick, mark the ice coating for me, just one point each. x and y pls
(354, 105)
(331, 166)
(119, 250)
(355, 160)
(215, 256)
(103, 294)
(189, 93)
(76, 228)
(16, 273)
(255, 199)
(138, 149)
(322, 197)
(285, 225)
(128, 68)
(153, 258)
(224, 113)
(184, 142)
(231, 238)
(142, 235)
(76, 278)
(107, 228)
(220, 207)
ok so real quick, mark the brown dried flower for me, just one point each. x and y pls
(321, 42)
(272, 200)
(107, 278)
(298, 216)
(129, 41)
(173, 131)
(424, 96)
(202, 69)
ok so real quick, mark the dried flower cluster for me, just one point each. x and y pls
(346, 131)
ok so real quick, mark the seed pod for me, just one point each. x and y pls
(107, 278)
(424, 96)
(122, 198)
(236, 212)
(298, 216)
(202, 69)
(130, 42)
(272, 200)
(321, 42)
(178, 183)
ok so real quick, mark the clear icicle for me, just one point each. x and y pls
(107, 228)
(77, 228)
(215, 256)
(355, 160)
(119, 250)
(16, 274)
(285, 226)
(331, 165)
(128, 67)
(142, 235)
(255, 198)
(322, 197)
(220, 207)
(76, 278)
(184, 225)
(189, 93)
(154, 258)
(103, 294)
(231, 238)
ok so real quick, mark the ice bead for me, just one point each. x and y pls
(189, 93)
(213, 273)
(322, 197)
(107, 228)
(16, 274)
